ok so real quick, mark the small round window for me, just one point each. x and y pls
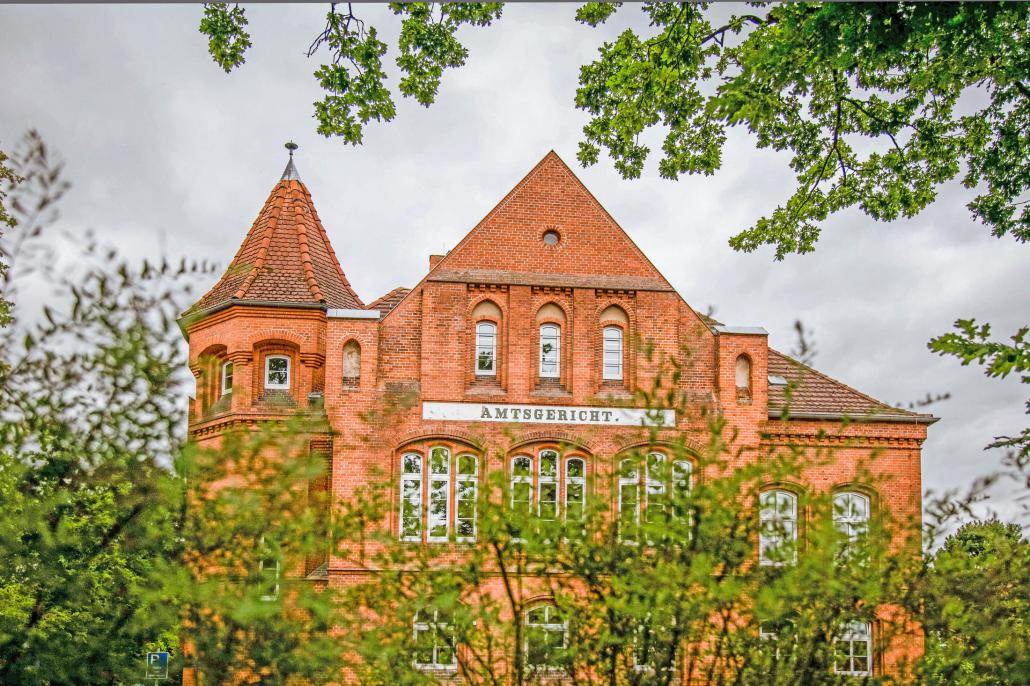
(551, 237)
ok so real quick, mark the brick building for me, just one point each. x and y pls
(517, 342)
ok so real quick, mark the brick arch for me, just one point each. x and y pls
(560, 437)
(457, 436)
(468, 344)
(862, 488)
(692, 446)
(280, 339)
(629, 329)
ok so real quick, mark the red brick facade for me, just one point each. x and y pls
(285, 294)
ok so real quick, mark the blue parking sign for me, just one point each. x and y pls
(157, 665)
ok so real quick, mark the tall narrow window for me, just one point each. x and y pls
(434, 640)
(411, 497)
(629, 500)
(227, 378)
(486, 349)
(277, 372)
(268, 572)
(351, 364)
(851, 514)
(550, 351)
(465, 498)
(654, 482)
(743, 374)
(778, 530)
(575, 489)
(439, 494)
(853, 652)
(548, 485)
(682, 482)
(612, 354)
(522, 484)
(545, 637)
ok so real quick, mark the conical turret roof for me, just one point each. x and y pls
(286, 257)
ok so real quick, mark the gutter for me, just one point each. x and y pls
(900, 419)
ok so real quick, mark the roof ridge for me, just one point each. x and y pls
(841, 383)
(266, 240)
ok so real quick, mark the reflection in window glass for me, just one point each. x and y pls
(777, 534)
(411, 497)
(545, 637)
(277, 371)
(434, 640)
(439, 493)
(465, 498)
(550, 351)
(486, 349)
(853, 650)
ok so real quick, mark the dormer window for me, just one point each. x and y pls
(277, 372)
(226, 378)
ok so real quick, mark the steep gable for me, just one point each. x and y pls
(508, 245)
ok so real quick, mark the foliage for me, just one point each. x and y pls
(8, 180)
(90, 413)
(674, 595)
(971, 343)
(227, 37)
(257, 523)
(977, 595)
(869, 99)
(354, 79)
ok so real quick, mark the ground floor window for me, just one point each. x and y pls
(545, 637)
(853, 650)
(434, 640)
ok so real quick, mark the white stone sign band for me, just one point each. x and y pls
(547, 414)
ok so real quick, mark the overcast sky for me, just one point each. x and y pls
(169, 155)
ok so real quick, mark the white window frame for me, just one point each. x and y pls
(547, 626)
(486, 343)
(678, 484)
(629, 477)
(580, 481)
(548, 480)
(471, 482)
(434, 627)
(226, 388)
(268, 364)
(853, 634)
(269, 597)
(439, 484)
(654, 486)
(850, 520)
(416, 502)
(556, 353)
(785, 524)
(611, 346)
(522, 479)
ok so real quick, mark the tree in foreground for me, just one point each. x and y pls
(699, 574)
(977, 595)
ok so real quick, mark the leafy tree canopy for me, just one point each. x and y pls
(878, 104)
(977, 599)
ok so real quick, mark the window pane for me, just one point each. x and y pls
(550, 351)
(522, 466)
(612, 353)
(412, 464)
(486, 349)
(548, 463)
(548, 500)
(439, 461)
(575, 468)
(277, 371)
(438, 508)
(467, 464)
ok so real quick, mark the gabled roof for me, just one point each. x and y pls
(814, 394)
(285, 259)
(507, 246)
(385, 304)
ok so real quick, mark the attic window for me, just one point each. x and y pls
(551, 237)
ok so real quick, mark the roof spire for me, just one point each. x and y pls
(290, 173)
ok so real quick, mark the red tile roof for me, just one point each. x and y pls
(813, 392)
(285, 258)
(389, 301)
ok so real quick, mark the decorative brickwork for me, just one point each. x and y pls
(422, 348)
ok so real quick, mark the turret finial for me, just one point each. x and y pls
(290, 173)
